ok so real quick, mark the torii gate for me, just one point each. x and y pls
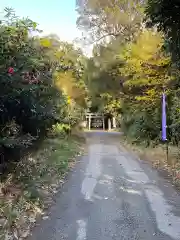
(90, 116)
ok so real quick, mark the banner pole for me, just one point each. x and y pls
(164, 124)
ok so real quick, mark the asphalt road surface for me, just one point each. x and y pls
(111, 194)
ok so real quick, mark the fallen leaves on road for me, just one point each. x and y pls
(29, 189)
(158, 158)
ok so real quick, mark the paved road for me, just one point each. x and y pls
(112, 195)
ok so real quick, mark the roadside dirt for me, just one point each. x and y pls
(169, 167)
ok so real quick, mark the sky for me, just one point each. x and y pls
(53, 16)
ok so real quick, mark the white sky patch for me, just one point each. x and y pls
(57, 18)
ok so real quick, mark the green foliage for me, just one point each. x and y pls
(147, 67)
(165, 14)
(60, 130)
(128, 73)
(31, 101)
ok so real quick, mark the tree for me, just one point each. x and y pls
(165, 14)
(147, 66)
(104, 19)
(31, 101)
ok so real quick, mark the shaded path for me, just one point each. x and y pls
(111, 195)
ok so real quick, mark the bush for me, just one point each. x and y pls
(60, 130)
(30, 101)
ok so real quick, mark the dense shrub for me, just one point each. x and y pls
(30, 100)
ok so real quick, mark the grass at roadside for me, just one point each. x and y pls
(26, 192)
(158, 158)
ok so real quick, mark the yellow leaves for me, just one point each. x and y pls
(151, 93)
(151, 96)
(69, 100)
(59, 54)
(45, 42)
(66, 83)
(148, 44)
(145, 61)
(145, 50)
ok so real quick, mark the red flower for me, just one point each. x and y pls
(10, 70)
